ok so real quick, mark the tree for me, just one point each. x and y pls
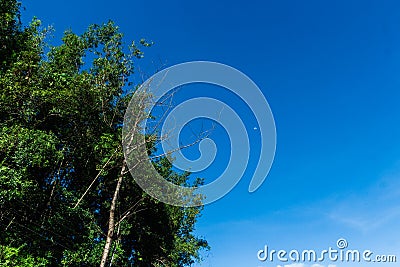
(66, 197)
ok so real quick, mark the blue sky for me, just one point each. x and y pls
(330, 72)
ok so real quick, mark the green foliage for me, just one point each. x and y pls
(10, 25)
(14, 257)
(61, 114)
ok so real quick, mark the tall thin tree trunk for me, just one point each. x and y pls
(111, 220)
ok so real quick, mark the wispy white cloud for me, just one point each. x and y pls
(293, 265)
(303, 265)
(371, 208)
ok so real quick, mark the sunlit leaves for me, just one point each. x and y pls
(61, 116)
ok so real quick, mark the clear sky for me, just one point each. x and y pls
(330, 71)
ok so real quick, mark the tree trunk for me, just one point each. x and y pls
(111, 220)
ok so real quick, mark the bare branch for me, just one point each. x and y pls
(97, 176)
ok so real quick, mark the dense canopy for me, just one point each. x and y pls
(63, 190)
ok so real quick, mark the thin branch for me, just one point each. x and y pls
(93, 181)
(127, 213)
